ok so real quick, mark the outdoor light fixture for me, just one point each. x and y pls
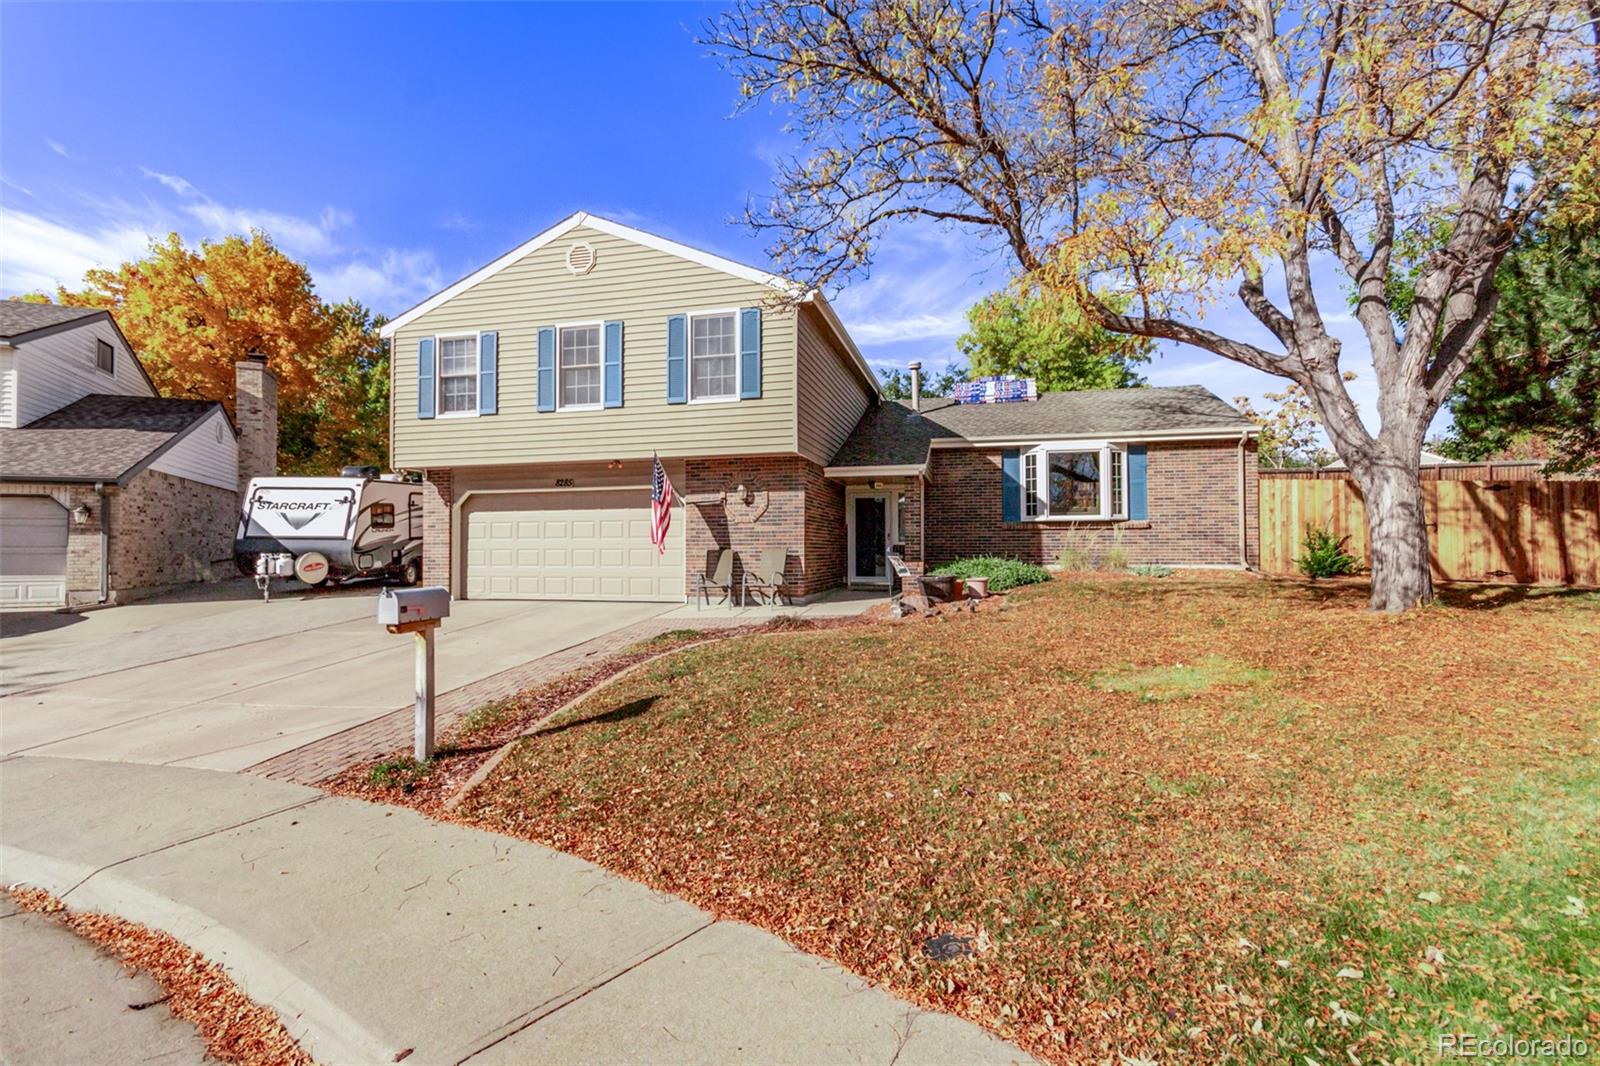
(743, 494)
(80, 514)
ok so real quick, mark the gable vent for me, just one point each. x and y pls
(580, 258)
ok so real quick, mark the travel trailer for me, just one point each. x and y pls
(319, 529)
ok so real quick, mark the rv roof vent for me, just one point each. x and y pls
(580, 258)
(359, 471)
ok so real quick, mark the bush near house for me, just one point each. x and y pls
(1203, 819)
(1003, 574)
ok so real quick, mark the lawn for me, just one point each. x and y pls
(1182, 819)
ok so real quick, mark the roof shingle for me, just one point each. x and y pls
(98, 438)
(892, 434)
(18, 317)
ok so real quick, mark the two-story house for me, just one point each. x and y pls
(534, 393)
(107, 489)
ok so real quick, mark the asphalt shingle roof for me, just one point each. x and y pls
(97, 438)
(18, 318)
(891, 434)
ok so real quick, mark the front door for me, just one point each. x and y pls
(869, 540)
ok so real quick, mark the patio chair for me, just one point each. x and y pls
(767, 579)
(717, 576)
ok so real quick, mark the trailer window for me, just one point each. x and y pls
(383, 516)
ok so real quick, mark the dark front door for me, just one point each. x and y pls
(869, 561)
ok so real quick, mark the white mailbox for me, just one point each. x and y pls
(398, 607)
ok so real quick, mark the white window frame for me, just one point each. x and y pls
(738, 353)
(599, 326)
(1035, 506)
(438, 374)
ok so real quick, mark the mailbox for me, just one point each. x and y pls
(402, 606)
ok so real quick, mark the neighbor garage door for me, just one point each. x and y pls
(33, 551)
(571, 546)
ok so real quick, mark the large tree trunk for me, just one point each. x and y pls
(1398, 532)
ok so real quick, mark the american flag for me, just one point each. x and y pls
(660, 506)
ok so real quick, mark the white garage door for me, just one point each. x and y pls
(33, 551)
(571, 546)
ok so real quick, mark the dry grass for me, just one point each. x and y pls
(1195, 819)
(235, 1028)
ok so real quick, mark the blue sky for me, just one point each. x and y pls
(395, 148)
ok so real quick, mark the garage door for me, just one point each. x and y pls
(571, 546)
(33, 551)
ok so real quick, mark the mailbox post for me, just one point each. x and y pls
(418, 611)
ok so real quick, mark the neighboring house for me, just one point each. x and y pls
(108, 490)
(533, 393)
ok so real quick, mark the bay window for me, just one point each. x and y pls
(1074, 481)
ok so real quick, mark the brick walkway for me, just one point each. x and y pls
(321, 759)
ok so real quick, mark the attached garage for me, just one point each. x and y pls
(570, 546)
(33, 551)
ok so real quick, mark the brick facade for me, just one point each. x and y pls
(168, 530)
(1193, 514)
(165, 531)
(795, 509)
(438, 497)
(1193, 510)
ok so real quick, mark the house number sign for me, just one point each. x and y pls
(565, 482)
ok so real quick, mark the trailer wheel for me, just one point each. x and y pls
(411, 573)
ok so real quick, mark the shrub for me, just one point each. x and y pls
(1073, 557)
(1156, 570)
(1323, 554)
(1002, 573)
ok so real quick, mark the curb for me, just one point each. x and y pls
(326, 1032)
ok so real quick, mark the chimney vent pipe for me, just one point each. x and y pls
(916, 385)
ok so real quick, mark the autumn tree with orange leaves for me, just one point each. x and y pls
(192, 313)
(1171, 150)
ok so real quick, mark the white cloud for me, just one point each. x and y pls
(40, 254)
(58, 148)
(393, 282)
(171, 181)
(295, 235)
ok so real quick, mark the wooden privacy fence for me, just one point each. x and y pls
(1523, 528)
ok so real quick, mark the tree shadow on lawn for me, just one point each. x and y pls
(1354, 593)
(631, 709)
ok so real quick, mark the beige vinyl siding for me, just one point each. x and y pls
(640, 286)
(832, 395)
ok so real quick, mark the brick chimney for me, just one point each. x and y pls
(256, 409)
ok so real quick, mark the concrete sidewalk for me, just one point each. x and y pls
(376, 932)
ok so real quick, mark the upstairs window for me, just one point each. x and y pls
(714, 356)
(458, 375)
(579, 366)
(105, 357)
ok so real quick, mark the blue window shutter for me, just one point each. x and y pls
(425, 378)
(547, 368)
(1011, 485)
(612, 366)
(678, 359)
(750, 353)
(1138, 493)
(488, 373)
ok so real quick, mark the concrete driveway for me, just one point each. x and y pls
(217, 679)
